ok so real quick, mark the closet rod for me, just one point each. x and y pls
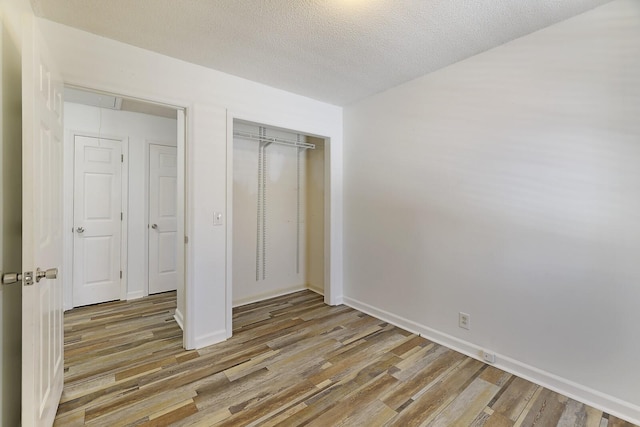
(281, 141)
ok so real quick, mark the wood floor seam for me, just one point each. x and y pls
(292, 361)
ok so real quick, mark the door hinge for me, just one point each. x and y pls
(121, 216)
(186, 239)
(121, 274)
(121, 158)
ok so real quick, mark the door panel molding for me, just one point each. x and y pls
(69, 236)
(119, 215)
(162, 214)
(42, 167)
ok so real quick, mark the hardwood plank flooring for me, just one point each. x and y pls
(291, 361)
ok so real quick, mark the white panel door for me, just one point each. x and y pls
(42, 328)
(97, 203)
(163, 224)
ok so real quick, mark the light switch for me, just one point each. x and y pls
(217, 218)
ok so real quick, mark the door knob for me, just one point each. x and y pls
(154, 226)
(80, 229)
(49, 273)
(9, 278)
(27, 278)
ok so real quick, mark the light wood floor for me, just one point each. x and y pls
(291, 361)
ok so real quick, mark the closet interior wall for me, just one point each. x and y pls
(278, 214)
(315, 215)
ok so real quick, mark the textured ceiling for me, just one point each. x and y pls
(338, 51)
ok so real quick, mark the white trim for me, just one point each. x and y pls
(179, 318)
(189, 338)
(145, 191)
(229, 230)
(330, 227)
(210, 339)
(268, 295)
(579, 392)
(124, 222)
(181, 200)
(135, 295)
(68, 173)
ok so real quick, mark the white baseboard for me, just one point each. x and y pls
(267, 295)
(210, 339)
(179, 318)
(602, 401)
(135, 295)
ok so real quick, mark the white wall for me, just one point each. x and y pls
(139, 130)
(10, 207)
(212, 99)
(506, 186)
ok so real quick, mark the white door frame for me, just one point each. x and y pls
(68, 221)
(329, 294)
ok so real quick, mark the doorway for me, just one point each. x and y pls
(151, 137)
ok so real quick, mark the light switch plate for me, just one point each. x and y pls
(217, 218)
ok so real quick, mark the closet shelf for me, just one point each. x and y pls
(268, 139)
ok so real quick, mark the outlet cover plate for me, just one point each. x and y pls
(488, 357)
(464, 320)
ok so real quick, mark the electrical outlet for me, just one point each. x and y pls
(464, 320)
(488, 357)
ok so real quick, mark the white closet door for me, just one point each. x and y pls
(163, 224)
(97, 220)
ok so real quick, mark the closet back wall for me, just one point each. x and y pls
(284, 251)
(140, 130)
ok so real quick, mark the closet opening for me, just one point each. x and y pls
(278, 213)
